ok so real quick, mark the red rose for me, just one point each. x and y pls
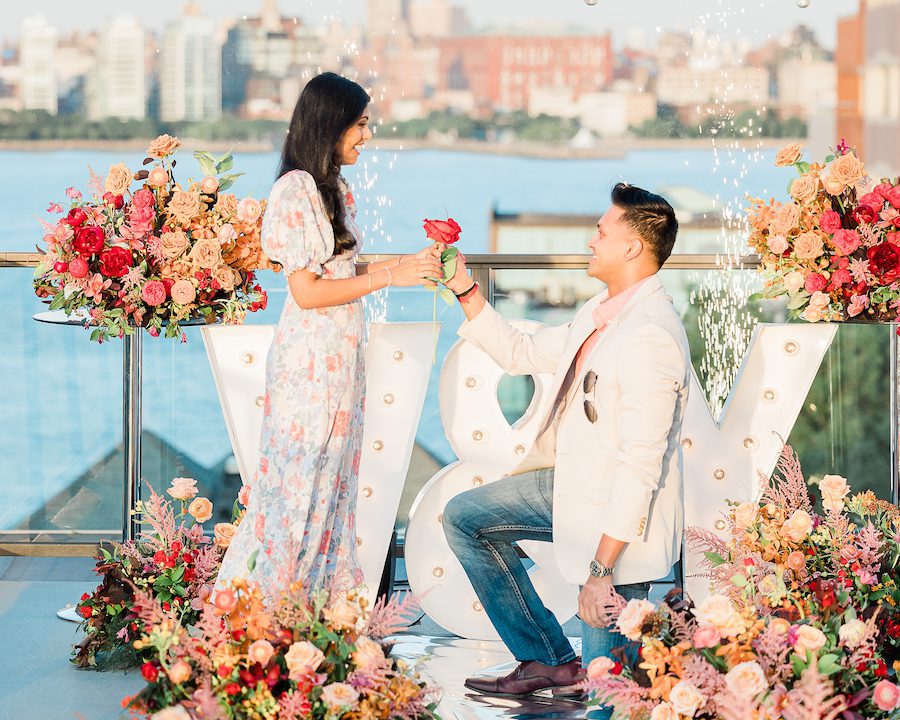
(60, 267)
(883, 189)
(84, 597)
(89, 240)
(864, 214)
(893, 196)
(232, 689)
(223, 671)
(884, 262)
(117, 201)
(85, 611)
(78, 267)
(154, 293)
(149, 671)
(176, 547)
(76, 217)
(814, 283)
(115, 262)
(443, 231)
(872, 200)
(143, 199)
(830, 221)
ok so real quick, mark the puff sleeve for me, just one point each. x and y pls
(296, 231)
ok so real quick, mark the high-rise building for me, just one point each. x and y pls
(117, 85)
(385, 17)
(37, 49)
(437, 18)
(190, 83)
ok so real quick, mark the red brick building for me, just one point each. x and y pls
(500, 71)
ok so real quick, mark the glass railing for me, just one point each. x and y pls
(61, 460)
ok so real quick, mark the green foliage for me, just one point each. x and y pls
(749, 123)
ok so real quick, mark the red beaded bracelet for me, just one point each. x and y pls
(467, 295)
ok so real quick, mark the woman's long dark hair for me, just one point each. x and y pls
(328, 106)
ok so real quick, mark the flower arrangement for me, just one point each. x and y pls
(802, 624)
(834, 250)
(300, 656)
(173, 561)
(156, 256)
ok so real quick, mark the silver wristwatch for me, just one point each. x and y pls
(600, 570)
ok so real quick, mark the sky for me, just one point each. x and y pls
(755, 20)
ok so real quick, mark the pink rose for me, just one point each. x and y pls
(886, 695)
(872, 200)
(631, 619)
(706, 636)
(882, 189)
(73, 193)
(209, 184)
(303, 658)
(158, 177)
(812, 313)
(154, 293)
(78, 267)
(227, 234)
(814, 283)
(820, 300)
(183, 292)
(846, 241)
(183, 488)
(893, 197)
(249, 210)
(143, 198)
(858, 303)
(798, 526)
(809, 638)
(778, 244)
(261, 651)
(180, 672)
(793, 281)
(834, 489)
(746, 680)
(840, 277)
(830, 221)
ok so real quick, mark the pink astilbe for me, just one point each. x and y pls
(868, 646)
(95, 182)
(158, 514)
(618, 692)
(204, 703)
(210, 634)
(702, 541)
(870, 542)
(812, 698)
(388, 617)
(698, 671)
(415, 706)
(733, 707)
(681, 626)
(789, 491)
(149, 609)
(293, 706)
(207, 560)
(773, 650)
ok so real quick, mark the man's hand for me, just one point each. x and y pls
(591, 600)
(462, 280)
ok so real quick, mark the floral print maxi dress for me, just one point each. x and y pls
(300, 519)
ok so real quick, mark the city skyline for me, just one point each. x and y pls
(628, 22)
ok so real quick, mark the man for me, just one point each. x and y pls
(603, 477)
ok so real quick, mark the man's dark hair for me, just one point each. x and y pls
(650, 216)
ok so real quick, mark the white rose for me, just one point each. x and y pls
(632, 618)
(794, 282)
(852, 633)
(834, 489)
(809, 638)
(664, 711)
(798, 526)
(686, 699)
(717, 610)
(746, 680)
(745, 514)
(820, 300)
(339, 696)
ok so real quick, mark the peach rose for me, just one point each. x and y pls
(794, 282)
(182, 267)
(163, 145)
(664, 711)
(225, 601)
(886, 695)
(834, 489)
(686, 699)
(209, 184)
(343, 614)
(847, 169)
(778, 244)
(158, 177)
(832, 185)
(200, 509)
(788, 155)
(717, 610)
(249, 210)
(600, 667)
(812, 314)
(746, 680)
(118, 179)
(809, 245)
(820, 300)
(184, 205)
(780, 625)
(173, 244)
(260, 651)
(809, 638)
(226, 205)
(706, 636)
(223, 534)
(805, 188)
(183, 488)
(787, 217)
(368, 654)
(632, 618)
(206, 253)
(226, 234)
(176, 712)
(796, 561)
(224, 275)
(798, 526)
(745, 514)
(183, 292)
(340, 696)
(180, 672)
(852, 633)
(303, 658)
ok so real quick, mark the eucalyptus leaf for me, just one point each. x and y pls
(714, 558)
(798, 301)
(225, 163)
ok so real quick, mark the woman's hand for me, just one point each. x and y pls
(418, 269)
(461, 280)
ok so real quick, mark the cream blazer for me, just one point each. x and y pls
(622, 475)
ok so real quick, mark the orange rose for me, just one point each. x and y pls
(206, 253)
(261, 652)
(805, 188)
(180, 672)
(788, 155)
(173, 244)
(118, 179)
(847, 169)
(163, 145)
(809, 245)
(223, 534)
(200, 509)
(184, 206)
(209, 184)
(226, 205)
(303, 658)
(787, 217)
(158, 177)
(183, 292)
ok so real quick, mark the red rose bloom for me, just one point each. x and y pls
(814, 283)
(115, 262)
(117, 201)
(143, 199)
(846, 241)
(841, 276)
(830, 221)
(60, 267)
(76, 217)
(85, 611)
(872, 200)
(89, 240)
(154, 293)
(78, 267)
(864, 214)
(884, 262)
(149, 671)
(893, 196)
(232, 689)
(443, 231)
(883, 189)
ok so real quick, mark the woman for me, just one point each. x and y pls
(300, 519)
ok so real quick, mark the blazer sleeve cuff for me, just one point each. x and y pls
(480, 325)
(631, 517)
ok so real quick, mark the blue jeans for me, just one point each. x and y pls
(482, 526)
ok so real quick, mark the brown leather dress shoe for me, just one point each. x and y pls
(529, 677)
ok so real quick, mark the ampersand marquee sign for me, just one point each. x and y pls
(721, 456)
